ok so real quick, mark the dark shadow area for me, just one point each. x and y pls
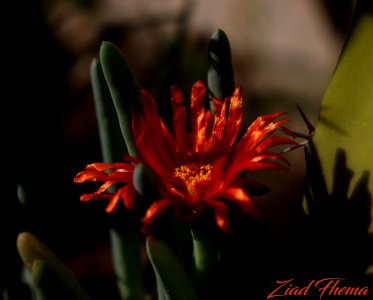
(330, 241)
(337, 223)
(340, 12)
(35, 152)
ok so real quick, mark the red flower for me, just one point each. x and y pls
(110, 174)
(196, 167)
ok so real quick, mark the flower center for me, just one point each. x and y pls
(193, 174)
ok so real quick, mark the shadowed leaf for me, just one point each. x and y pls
(123, 89)
(51, 278)
(175, 282)
(347, 108)
(220, 78)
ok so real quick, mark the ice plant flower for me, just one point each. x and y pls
(110, 174)
(198, 164)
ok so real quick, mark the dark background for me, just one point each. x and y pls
(49, 130)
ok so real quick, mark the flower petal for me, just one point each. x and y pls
(236, 106)
(128, 195)
(274, 141)
(179, 122)
(154, 212)
(85, 176)
(270, 156)
(113, 201)
(149, 139)
(240, 197)
(263, 121)
(197, 108)
(105, 166)
(204, 133)
(221, 214)
(215, 144)
(94, 196)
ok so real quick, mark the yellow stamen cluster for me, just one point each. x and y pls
(192, 174)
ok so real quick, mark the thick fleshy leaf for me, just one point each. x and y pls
(48, 284)
(143, 182)
(125, 244)
(123, 89)
(51, 278)
(112, 81)
(175, 282)
(220, 78)
(112, 144)
(346, 120)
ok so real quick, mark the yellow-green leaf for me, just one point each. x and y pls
(346, 115)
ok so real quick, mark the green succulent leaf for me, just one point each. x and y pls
(112, 145)
(49, 285)
(171, 275)
(125, 244)
(347, 107)
(127, 262)
(144, 182)
(51, 278)
(123, 89)
(220, 78)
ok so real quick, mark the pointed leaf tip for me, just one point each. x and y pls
(220, 78)
(123, 89)
(52, 279)
(219, 35)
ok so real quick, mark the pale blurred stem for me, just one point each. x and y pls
(127, 263)
(4, 294)
(205, 253)
(160, 291)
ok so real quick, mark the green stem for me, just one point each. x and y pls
(160, 291)
(127, 263)
(207, 254)
(170, 274)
